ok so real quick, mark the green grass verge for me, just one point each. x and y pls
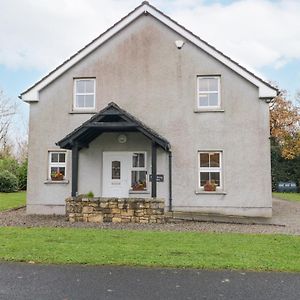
(12, 200)
(150, 248)
(288, 196)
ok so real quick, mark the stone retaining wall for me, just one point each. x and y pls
(116, 210)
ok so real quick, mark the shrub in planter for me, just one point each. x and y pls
(8, 182)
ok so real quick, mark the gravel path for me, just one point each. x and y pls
(286, 217)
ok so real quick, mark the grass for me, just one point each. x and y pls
(288, 196)
(12, 200)
(150, 248)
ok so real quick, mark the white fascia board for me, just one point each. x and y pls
(264, 90)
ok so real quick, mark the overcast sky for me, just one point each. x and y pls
(37, 35)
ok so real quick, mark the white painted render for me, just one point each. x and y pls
(142, 70)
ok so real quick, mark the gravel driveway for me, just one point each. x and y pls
(286, 220)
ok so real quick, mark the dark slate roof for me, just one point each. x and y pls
(118, 120)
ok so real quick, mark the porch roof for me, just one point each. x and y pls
(110, 119)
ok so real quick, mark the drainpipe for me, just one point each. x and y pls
(170, 181)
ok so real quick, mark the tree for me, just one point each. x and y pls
(7, 110)
(285, 125)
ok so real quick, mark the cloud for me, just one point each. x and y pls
(42, 34)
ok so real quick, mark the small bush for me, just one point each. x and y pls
(90, 194)
(8, 182)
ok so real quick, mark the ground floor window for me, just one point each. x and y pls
(139, 171)
(57, 165)
(210, 170)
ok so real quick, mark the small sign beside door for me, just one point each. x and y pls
(159, 178)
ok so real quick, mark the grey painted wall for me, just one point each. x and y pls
(142, 71)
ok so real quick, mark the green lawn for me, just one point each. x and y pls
(12, 200)
(150, 248)
(288, 196)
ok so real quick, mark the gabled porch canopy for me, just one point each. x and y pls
(110, 119)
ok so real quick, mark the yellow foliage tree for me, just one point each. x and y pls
(285, 125)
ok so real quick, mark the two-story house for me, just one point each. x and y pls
(148, 109)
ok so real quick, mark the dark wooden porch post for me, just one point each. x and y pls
(75, 152)
(154, 169)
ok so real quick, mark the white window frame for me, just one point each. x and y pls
(139, 168)
(56, 164)
(211, 169)
(199, 107)
(75, 107)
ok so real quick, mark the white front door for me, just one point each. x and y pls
(116, 174)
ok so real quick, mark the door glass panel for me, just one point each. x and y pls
(116, 169)
(138, 180)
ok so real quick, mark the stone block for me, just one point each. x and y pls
(95, 218)
(129, 212)
(103, 204)
(115, 211)
(126, 219)
(139, 212)
(87, 209)
(144, 220)
(116, 220)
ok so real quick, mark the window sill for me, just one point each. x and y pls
(210, 193)
(207, 110)
(88, 111)
(56, 182)
(139, 192)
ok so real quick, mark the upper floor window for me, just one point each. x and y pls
(84, 93)
(208, 92)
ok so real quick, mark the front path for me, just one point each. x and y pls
(24, 281)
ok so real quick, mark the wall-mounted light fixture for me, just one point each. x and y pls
(179, 44)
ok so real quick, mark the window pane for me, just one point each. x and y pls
(54, 157)
(138, 160)
(138, 180)
(80, 101)
(213, 84)
(203, 100)
(214, 160)
(213, 99)
(203, 84)
(115, 169)
(62, 170)
(54, 170)
(204, 160)
(215, 176)
(62, 157)
(89, 101)
(204, 177)
(89, 86)
(80, 86)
